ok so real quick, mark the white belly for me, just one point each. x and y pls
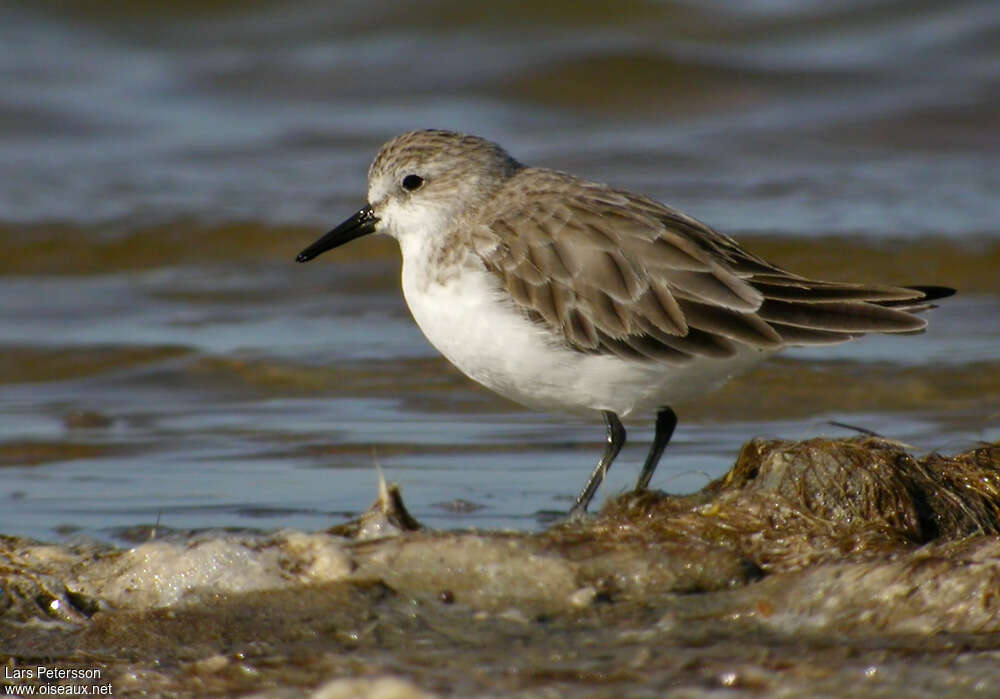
(467, 319)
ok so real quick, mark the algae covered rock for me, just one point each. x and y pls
(741, 585)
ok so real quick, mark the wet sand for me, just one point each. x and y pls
(822, 567)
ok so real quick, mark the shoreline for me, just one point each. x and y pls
(807, 562)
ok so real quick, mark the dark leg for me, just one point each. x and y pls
(666, 421)
(616, 438)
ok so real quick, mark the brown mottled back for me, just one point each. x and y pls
(618, 273)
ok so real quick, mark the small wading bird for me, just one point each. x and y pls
(564, 294)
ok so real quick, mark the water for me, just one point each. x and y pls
(162, 357)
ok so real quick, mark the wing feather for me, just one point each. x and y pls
(621, 274)
(841, 317)
(809, 291)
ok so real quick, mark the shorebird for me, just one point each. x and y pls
(569, 295)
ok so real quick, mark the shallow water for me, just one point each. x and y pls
(162, 357)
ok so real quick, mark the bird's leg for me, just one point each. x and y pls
(666, 421)
(616, 438)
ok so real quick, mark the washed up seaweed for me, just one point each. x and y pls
(806, 567)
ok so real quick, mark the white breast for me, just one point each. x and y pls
(469, 319)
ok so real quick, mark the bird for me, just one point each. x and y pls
(568, 295)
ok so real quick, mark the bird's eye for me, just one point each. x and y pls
(411, 183)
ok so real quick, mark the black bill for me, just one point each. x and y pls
(361, 223)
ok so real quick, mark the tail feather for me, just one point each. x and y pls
(932, 293)
(804, 312)
(918, 305)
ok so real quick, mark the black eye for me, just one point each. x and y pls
(413, 182)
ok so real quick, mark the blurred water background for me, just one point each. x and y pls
(161, 163)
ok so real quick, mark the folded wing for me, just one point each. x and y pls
(622, 274)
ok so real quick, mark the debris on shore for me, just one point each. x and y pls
(811, 566)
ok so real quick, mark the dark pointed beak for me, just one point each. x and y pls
(361, 223)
